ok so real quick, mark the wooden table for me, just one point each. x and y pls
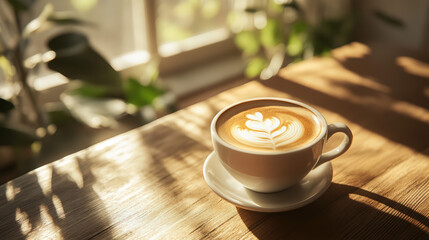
(148, 183)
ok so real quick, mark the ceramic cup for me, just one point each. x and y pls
(274, 171)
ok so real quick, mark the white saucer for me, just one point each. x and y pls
(306, 191)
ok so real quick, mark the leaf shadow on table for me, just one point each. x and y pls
(175, 172)
(62, 207)
(344, 218)
(403, 73)
(171, 158)
(399, 126)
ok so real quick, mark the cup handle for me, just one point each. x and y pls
(344, 145)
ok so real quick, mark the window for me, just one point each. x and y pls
(114, 28)
(181, 24)
(188, 32)
(130, 32)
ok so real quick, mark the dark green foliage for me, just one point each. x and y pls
(255, 66)
(248, 42)
(291, 4)
(66, 20)
(20, 5)
(5, 106)
(88, 90)
(251, 10)
(332, 34)
(141, 95)
(271, 34)
(76, 59)
(15, 137)
(12, 136)
(288, 33)
(389, 19)
(297, 39)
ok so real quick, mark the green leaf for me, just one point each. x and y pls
(295, 45)
(88, 90)
(291, 4)
(84, 5)
(20, 5)
(60, 116)
(332, 33)
(6, 67)
(275, 7)
(210, 9)
(94, 112)
(186, 9)
(171, 31)
(5, 106)
(255, 67)
(76, 59)
(271, 34)
(247, 41)
(14, 137)
(141, 95)
(326, 52)
(297, 59)
(297, 39)
(63, 19)
(251, 9)
(396, 22)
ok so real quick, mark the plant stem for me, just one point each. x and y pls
(23, 74)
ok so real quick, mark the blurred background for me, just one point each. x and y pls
(76, 72)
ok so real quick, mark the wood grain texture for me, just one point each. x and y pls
(148, 183)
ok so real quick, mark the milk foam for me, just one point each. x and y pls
(260, 132)
(269, 128)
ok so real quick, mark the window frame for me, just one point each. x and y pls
(185, 58)
(134, 63)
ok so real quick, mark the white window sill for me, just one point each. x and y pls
(201, 77)
(181, 83)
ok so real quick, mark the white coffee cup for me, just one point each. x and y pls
(277, 170)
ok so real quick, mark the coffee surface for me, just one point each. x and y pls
(270, 128)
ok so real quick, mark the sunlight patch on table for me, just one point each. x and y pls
(58, 207)
(411, 110)
(189, 126)
(328, 73)
(201, 110)
(426, 92)
(413, 66)
(23, 220)
(352, 50)
(48, 225)
(44, 178)
(105, 144)
(11, 191)
(70, 167)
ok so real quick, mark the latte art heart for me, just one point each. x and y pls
(269, 133)
(269, 128)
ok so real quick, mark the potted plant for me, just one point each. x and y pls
(18, 143)
(97, 94)
(271, 33)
